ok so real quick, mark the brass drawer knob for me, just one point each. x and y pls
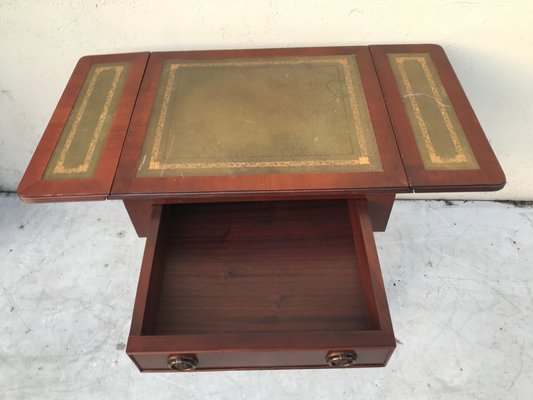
(182, 363)
(341, 359)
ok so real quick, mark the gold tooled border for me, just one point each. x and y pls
(460, 156)
(83, 167)
(363, 159)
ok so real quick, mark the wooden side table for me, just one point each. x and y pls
(258, 178)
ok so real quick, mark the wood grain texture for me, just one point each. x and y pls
(379, 206)
(488, 177)
(139, 212)
(257, 267)
(254, 281)
(391, 179)
(33, 188)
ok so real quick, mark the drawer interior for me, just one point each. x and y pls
(256, 268)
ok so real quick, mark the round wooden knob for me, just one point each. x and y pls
(182, 363)
(341, 359)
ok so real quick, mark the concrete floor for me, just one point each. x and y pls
(459, 280)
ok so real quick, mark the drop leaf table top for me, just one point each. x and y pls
(228, 123)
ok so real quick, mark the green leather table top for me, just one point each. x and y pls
(259, 116)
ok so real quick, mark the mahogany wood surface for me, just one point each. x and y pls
(139, 211)
(260, 285)
(488, 177)
(259, 267)
(33, 188)
(391, 179)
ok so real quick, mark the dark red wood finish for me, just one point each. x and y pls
(33, 188)
(490, 175)
(392, 179)
(379, 207)
(260, 285)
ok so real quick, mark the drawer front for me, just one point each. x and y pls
(364, 357)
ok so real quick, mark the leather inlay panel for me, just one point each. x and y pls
(439, 135)
(80, 145)
(259, 116)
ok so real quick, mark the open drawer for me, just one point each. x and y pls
(253, 285)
